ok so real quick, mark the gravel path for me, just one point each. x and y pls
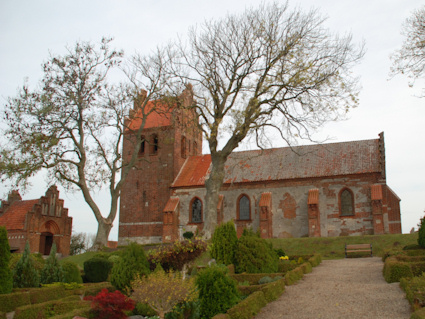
(344, 288)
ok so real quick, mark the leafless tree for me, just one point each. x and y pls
(266, 69)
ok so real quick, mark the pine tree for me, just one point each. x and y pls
(52, 271)
(25, 275)
(6, 281)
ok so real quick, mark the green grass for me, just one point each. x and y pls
(333, 247)
(80, 259)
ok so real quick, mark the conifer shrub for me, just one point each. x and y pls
(255, 255)
(421, 233)
(133, 262)
(6, 280)
(97, 269)
(52, 271)
(24, 274)
(217, 291)
(71, 272)
(224, 243)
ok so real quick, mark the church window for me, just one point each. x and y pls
(183, 147)
(142, 146)
(154, 144)
(244, 208)
(346, 200)
(196, 210)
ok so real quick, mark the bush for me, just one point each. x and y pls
(224, 243)
(162, 291)
(177, 255)
(217, 291)
(52, 271)
(273, 290)
(248, 307)
(188, 235)
(255, 255)
(132, 263)
(110, 305)
(71, 272)
(24, 274)
(143, 309)
(96, 269)
(421, 233)
(265, 280)
(286, 265)
(6, 279)
(415, 290)
(394, 270)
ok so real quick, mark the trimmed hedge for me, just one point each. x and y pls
(315, 260)
(14, 300)
(273, 290)
(49, 308)
(415, 290)
(248, 307)
(418, 314)
(293, 276)
(394, 270)
(83, 311)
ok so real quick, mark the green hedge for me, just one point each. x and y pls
(315, 260)
(293, 276)
(247, 290)
(394, 270)
(221, 316)
(306, 267)
(82, 311)
(50, 308)
(248, 307)
(273, 290)
(252, 278)
(2, 315)
(418, 314)
(38, 295)
(415, 290)
(12, 301)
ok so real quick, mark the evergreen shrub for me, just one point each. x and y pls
(133, 262)
(255, 255)
(71, 272)
(24, 274)
(96, 269)
(188, 235)
(421, 233)
(248, 307)
(6, 279)
(52, 271)
(217, 291)
(394, 270)
(224, 243)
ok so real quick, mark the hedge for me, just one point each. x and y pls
(415, 290)
(248, 307)
(418, 314)
(273, 290)
(315, 260)
(252, 278)
(10, 302)
(293, 276)
(394, 270)
(83, 311)
(49, 308)
(2, 315)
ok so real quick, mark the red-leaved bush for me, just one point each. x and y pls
(110, 305)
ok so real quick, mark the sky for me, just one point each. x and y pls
(30, 30)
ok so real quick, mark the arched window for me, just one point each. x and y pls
(183, 147)
(346, 201)
(244, 208)
(153, 144)
(196, 210)
(142, 145)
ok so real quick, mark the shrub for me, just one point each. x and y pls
(279, 252)
(421, 233)
(255, 255)
(248, 307)
(162, 291)
(143, 309)
(110, 305)
(415, 290)
(286, 265)
(96, 269)
(52, 271)
(6, 280)
(217, 291)
(188, 235)
(71, 272)
(132, 263)
(177, 255)
(24, 273)
(224, 243)
(273, 290)
(265, 280)
(394, 270)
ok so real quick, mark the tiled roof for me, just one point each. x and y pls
(14, 217)
(160, 117)
(172, 204)
(333, 159)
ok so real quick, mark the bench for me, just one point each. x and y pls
(358, 248)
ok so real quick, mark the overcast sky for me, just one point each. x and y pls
(30, 29)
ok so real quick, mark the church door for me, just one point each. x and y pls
(46, 242)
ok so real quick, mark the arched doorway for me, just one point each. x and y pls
(46, 242)
(49, 230)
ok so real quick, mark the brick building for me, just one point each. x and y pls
(41, 222)
(333, 189)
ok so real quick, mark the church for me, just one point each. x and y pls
(325, 190)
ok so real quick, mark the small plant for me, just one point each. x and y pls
(110, 305)
(97, 269)
(280, 252)
(162, 291)
(24, 274)
(265, 280)
(217, 291)
(52, 271)
(6, 279)
(188, 235)
(224, 243)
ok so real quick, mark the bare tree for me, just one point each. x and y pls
(74, 124)
(266, 69)
(410, 59)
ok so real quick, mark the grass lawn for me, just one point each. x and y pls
(333, 247)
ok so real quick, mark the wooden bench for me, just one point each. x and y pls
(358, 248)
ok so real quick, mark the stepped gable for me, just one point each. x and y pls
(310, 161)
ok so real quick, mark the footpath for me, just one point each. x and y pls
(344, 288)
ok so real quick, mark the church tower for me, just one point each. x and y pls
(169, 136)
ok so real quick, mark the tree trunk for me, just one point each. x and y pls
(213, 185)
(103, 230)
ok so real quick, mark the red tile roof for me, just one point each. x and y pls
(172, 204)
(324, 160)
(161, 116)
(14, 217)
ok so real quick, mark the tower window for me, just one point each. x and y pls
(154, 144)
(346, 200)
(142, 145)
